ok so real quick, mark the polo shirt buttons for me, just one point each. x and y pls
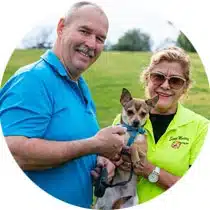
(153, 149)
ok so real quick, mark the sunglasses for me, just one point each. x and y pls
(175, 82)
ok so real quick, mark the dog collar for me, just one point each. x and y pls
(133, 131)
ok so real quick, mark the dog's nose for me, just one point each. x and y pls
(136, 123)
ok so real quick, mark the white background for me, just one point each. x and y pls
(18, 17)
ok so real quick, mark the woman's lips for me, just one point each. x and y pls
(164, 94)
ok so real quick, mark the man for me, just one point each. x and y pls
(48, 116)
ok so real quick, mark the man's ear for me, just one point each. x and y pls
(60, 27)
(125, 96)
(152, 101)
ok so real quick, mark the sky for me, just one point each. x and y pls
(122, 17)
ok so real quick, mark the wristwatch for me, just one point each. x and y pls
(154, 176)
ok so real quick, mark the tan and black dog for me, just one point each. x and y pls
(134, 115)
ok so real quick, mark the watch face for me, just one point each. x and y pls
(153, 177)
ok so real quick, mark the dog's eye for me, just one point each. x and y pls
(130, 112)
(143, 114)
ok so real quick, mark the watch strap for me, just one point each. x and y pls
(157, 170)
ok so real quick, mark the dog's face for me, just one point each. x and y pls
(135, 111)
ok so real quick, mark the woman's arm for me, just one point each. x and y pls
(166, 179)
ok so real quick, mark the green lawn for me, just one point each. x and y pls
(115, 70)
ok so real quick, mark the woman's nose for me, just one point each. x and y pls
(165, 84)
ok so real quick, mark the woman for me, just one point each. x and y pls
(175, 134)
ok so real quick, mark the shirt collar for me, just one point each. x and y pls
(50, 57)
(182, 117)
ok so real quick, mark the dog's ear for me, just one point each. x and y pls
(152, 102)
(125, 96)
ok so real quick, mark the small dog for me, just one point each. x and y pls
(134, 115)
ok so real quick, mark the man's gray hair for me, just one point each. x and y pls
(77, 6)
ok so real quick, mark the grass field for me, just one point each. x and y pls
(115, 70)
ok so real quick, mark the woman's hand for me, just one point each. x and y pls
(124, 163)
(165, 180)
(144, 168)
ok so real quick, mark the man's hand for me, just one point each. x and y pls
(103, 162)
(110, 141)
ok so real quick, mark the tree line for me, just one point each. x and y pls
(135, 40)
(132, 40)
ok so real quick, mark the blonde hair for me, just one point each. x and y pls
(170, 54)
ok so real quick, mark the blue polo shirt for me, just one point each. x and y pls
(40, 101)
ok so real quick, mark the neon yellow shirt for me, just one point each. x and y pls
(175, 150)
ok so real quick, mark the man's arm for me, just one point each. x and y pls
(35, 153)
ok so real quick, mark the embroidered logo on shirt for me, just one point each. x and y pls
(178, 141)
(176, 144)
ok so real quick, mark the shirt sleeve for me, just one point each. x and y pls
(199, 140)
(25, 106)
